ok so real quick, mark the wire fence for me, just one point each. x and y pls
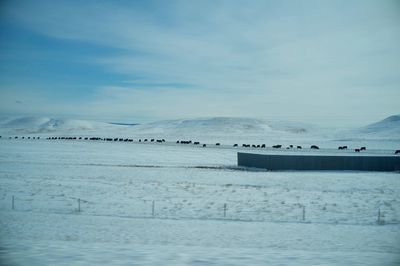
(192, 208)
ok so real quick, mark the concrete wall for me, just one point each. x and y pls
(319, 162)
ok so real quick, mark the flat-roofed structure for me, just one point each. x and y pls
(319, 162)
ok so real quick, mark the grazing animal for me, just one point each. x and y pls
(357, 150)
(152, 140)
(258, 146)
(397, 152)
(263, 146)
(115, 139)
(159, 141)
(363, 148)
(314, 147)
(298, 147)
(140, 140)
(344, 147)
(163, 140)
(204, 145)
(145, 140)
(217, 144)
(235, 145)
(196, 143)
(277, 146)
(254, 146)
(177, 142)
(340, 148)
(291, 146)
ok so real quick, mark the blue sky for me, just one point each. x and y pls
(325, 62)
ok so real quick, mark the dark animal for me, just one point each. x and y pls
(340, 148)
(145, 140)
(277, 146)
(315, 147)
(258, 146)
(298, 147)
(140, 140)
(177, 141)
(235, 145)
(204, 145)
(344, 147)
(159, 141)
(254, 146)
(357, 150)
(291, 146)
(23, 137)
(196, 143)
(152, 140)
(363, 148)
(217, 144)
(397, 152)
(263, 146)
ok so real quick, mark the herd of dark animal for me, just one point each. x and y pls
(314, 147)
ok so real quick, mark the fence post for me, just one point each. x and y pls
(304, 213)
(224, 210)
(380, 221)
(152, 208)
(79, 205)
(13, 200)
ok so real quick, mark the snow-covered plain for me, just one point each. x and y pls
(80, 202)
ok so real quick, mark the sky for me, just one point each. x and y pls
(323, 62)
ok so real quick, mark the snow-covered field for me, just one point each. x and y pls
(80, 202)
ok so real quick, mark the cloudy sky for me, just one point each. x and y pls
(326, 62)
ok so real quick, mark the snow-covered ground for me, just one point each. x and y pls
(80, 202)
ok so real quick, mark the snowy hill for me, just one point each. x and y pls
(208, 126)
(386, 128)
(220, 126)
(33, 125)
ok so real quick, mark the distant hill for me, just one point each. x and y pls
(216, 126)
(221, 126)
(388, 128)
(31, 125)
